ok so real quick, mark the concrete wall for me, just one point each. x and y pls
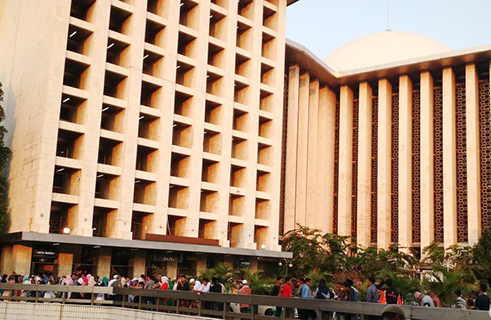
(20, 310)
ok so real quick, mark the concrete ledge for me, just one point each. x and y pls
(48, 311)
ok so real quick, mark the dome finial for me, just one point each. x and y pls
(388, 15)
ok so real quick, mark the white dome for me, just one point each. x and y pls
(381, 48)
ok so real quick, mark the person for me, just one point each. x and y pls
(391, 294)
(459, 301)
(306, 293)
(286, 291)
(275, 292)
(373, 294)
(393, 312)
(244, 307)
(482, 300)
(216, 288)
(436, 300)
(322, 292)
(424, 300)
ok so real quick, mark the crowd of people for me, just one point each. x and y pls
(382, 292)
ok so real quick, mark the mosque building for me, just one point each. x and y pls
(178, 134)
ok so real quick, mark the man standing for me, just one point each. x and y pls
(306, 293)
(373, 295)
(482, 301)
(391, 293)
(275, 292)
(286, 291)
(244, 307)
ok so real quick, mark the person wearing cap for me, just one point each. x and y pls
(393, 312)
(424, 300)
(244, 307)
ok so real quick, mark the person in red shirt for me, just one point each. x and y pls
(244, 307)
(286, 291)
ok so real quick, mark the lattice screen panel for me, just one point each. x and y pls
(438, 162)
(354, 188)
(416, 159)
(461, 164)
(281, 229)
(395, 169)
(55, 221)
(373, 223)
(485, 141)
(336, 173)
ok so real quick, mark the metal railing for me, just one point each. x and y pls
(224, 306)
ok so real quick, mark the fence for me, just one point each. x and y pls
(224, 306)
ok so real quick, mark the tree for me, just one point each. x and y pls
(5, 154)
(482, 255)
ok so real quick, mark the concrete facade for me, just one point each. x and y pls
(138, 117)
(408, 141)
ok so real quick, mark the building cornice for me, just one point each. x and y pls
(297, 53)
(23, 236)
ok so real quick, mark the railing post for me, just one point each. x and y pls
(158, 303)
(37, 293)
(177, 305)
(63, 297)
(226, 306)
(140, 302)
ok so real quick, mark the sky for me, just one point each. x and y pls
(324, 25)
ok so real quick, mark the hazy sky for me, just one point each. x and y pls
(324, 25)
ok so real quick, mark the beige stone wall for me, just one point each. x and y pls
(168, 121)
(312, 122)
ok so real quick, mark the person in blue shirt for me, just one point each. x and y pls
(306, 293)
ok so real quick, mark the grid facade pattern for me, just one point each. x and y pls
(438, 162)
(281, 229)
(373, 215)
(395, 169)
(175, 154)
(354, 184)
(461, 164)
(416, 162)
(485, 142)
(336, 173)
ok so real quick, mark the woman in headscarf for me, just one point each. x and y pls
(103, 283)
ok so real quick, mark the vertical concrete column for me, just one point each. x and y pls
(427, 219)
(384, 168)
(81, 216)
(473, 154)
(254, 265)
(122, 221)
(6, 264)
(345, 160)
(276, 172)
(312, 188)
(325, 159)
(449, 159)
(157, 222)
(302, 149)
(291, 147)
(405, 180)
(65, 264)
(21, 259)
(103, 263)
(138, 262)
(200, 264)
(364, 195)
(227, 116)
(172, 269)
